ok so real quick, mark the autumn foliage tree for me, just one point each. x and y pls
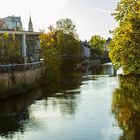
(58, 46)
(125, 44)
(61, 40)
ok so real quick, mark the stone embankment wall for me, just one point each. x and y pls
(20, 83)
(28, 76)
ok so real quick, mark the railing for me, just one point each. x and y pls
(20, 67)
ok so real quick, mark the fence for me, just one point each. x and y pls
(20, 67)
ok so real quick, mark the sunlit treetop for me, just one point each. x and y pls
(127, 9)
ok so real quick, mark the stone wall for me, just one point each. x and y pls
(21, 82)
(22, 76)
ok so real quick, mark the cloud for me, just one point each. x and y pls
(101, 10)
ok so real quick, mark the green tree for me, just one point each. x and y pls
(68, 45)
(57, 49)
(61, 44)
(67, 26)
(125, 44)
(97, 45)
(50, 54)
(9, 49)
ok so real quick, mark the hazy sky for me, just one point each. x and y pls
(90, 16)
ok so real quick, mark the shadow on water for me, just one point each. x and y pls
(126, 107)
(14, 114)
(58, 89)
(60, 78)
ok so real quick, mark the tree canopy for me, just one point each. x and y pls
(61, 40)
(9, 49)
(97, 44)
(57, 48)
(60, 43)
(67, 26)
(125, 44)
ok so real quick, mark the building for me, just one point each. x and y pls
(11, 23)
(29, 40)
(86, 49)
(30, 25)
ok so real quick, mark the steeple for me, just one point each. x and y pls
(30, 25)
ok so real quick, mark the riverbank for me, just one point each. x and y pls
(18, 82)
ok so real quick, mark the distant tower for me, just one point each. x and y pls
(30, 25)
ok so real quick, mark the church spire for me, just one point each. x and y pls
(30, 25)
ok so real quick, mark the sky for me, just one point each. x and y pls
(91, 17)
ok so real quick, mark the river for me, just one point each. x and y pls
(83, 105)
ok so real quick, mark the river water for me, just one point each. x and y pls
(85, 105)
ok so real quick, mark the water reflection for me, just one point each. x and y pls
(21, 114)
(126, 107)
(103, 70)
(18, 113)
(73, 103)
(14, 114)
(61, 78)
